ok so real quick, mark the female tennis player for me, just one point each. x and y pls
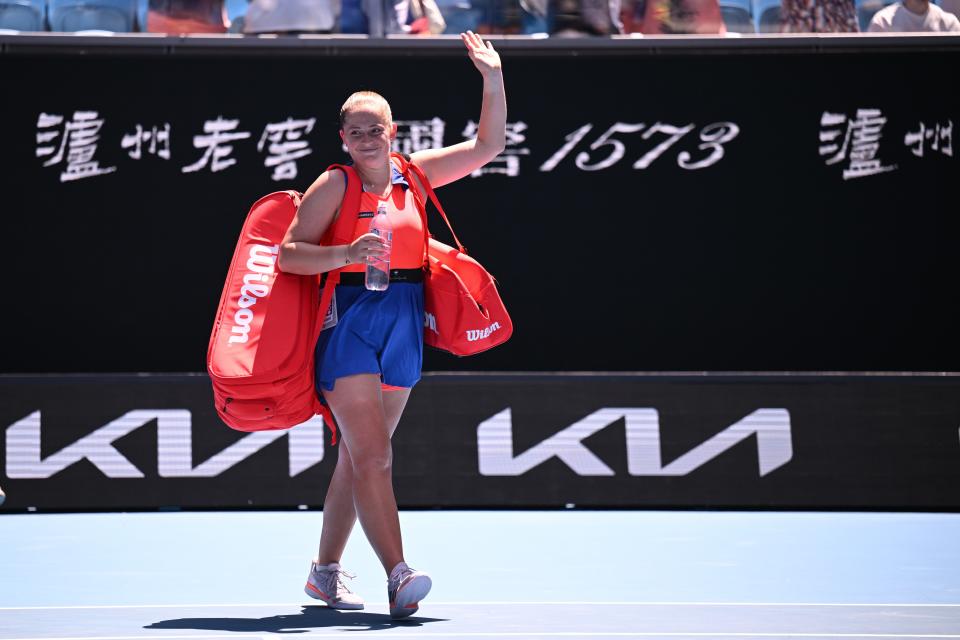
(370, 359)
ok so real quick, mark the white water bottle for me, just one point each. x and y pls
(378, 267)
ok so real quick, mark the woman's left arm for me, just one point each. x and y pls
(443, 166)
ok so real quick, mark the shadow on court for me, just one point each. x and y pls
(310, 617)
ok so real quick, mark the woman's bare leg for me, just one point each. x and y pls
(394, 402)
(339, 513)
(358, 406)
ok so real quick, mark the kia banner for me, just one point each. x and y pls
(502, 440)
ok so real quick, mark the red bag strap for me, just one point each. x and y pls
(340, 232)
(407, 166)
(337, 234)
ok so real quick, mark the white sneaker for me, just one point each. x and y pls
(325, 582)
(405, 589)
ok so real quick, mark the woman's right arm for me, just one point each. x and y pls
(300, 251)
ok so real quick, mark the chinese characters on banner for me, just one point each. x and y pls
(418, 135)
(286, 146)
(508, 162)
(71, 143)
(284, 142)
(854, 142)
(219, 133)
(851, 141)
(939, 137)
(157, 139)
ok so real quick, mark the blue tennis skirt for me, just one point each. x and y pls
(377, 332)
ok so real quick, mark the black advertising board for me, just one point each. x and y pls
(491, 441)
(774, 207)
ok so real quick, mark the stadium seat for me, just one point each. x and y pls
(21, 15)
(737, 15)
(767, 15)
(93, 15)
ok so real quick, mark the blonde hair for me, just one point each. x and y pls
(365, 99)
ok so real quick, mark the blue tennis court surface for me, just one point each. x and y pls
(570, 574)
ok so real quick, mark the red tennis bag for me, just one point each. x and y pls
(464, 312)
(261, 352)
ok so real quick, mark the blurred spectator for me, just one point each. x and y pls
(291, 16)
(186, 16)
(913, 15)
(572, 18)
(819, 16)
(499, 16)
(682, 16)
(420, 17)
(534, 16)
(374, 17)
(631, 14)
(352, 17)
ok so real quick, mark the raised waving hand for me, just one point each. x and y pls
(484, 58)
(445, 165)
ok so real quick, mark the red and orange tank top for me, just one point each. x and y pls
(402, 211)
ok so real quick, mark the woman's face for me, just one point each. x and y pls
(367, 133)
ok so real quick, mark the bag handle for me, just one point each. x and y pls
(407, 164)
